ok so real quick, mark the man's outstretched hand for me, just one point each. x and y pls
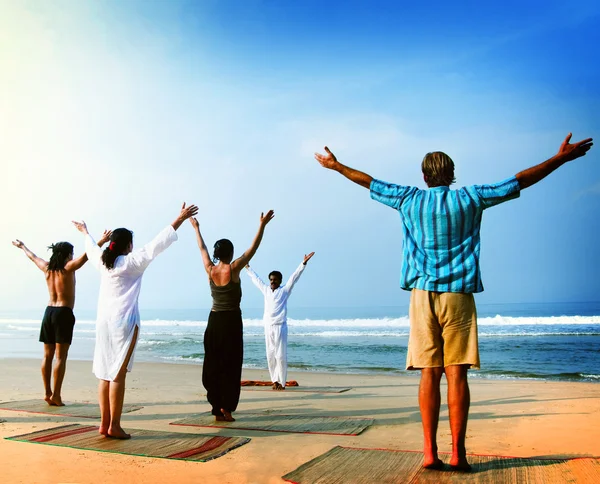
(307, 258)
(328, 160)
(570, 152)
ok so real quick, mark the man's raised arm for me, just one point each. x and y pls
(330, 161)
(567, 152)
(39, 262)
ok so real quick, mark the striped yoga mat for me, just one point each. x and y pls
(305, 424)
(73, 409)
(299, 389)
(147, 443)
(366, 466)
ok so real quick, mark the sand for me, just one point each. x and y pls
(509, 418)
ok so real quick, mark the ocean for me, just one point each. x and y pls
(550, 341)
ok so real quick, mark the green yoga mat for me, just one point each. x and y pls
(147, 443)
(71, 409)
(298, 389)
(371, 466)
(305, 424)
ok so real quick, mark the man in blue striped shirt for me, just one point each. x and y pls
(441, 269)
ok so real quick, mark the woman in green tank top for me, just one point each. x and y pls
(223, 338)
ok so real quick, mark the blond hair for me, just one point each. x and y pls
(438, 169)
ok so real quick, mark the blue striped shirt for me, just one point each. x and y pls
(441, 232)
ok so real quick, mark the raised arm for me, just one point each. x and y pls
(138, 260)
(238, 264)
(202, 246)
(289, 285)
(567, 152)
(78, 263)
(330, 162)
(40, 263)
(258, 282)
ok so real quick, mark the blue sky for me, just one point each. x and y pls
(115, 112)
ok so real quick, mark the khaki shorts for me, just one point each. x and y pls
(443, 330)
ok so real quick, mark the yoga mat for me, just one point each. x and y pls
(263, 383)
(73, 409)
(365, 466)
(299, 389)
(305, 424)
(146, 443)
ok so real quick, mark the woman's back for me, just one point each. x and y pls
(226, 292)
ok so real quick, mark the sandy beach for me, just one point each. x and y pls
(508, 418)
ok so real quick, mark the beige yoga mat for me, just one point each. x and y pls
(147, 443)
(305, 424)
(71, 409)
(299, 389)
(370, 466)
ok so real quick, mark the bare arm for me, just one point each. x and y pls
(567, 152)
(238, 264)
(40, 263)
(186, 212)
(208, 264)
(330, 161)
(78, 263)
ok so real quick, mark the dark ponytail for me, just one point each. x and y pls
(61, 251)
(223, 251)
(119, 242)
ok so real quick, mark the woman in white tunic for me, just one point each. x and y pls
(118, 319)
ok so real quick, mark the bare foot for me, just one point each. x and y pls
(436, 465)
(458, 462)
(274, 386)
(49, 401)
(430, 458)
(219, 418)
(227, 415)
(117, 433)
(461, 465)
(103, 430)
(280, 386)
(57, 400)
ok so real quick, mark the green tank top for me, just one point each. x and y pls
(227, 297)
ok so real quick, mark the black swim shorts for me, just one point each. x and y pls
(57, 325)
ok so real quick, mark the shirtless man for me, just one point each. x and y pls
(58, 323)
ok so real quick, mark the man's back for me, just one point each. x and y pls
(441, 232)
(61, 288)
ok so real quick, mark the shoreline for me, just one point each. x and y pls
(474, 375)
(508, 418)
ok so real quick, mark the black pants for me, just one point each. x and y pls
(223, 356)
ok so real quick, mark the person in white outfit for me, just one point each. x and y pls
(275, 319)
(118, 319)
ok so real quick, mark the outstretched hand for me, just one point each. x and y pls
(105, 237)
(184, 214)
(18, 244)
(308, 257)
(81, 226)
(187, 212)
(570, 152)
(194, 222)
(328, 160)
(265, 219)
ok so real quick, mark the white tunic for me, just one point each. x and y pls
(275, 321)
(118, 313)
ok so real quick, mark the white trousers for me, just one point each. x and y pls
(276, 342)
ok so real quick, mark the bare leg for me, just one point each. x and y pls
(103, 392)
(116, 395)
(60, 366)
(429, 404)
(459, 399)
(47, 371)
